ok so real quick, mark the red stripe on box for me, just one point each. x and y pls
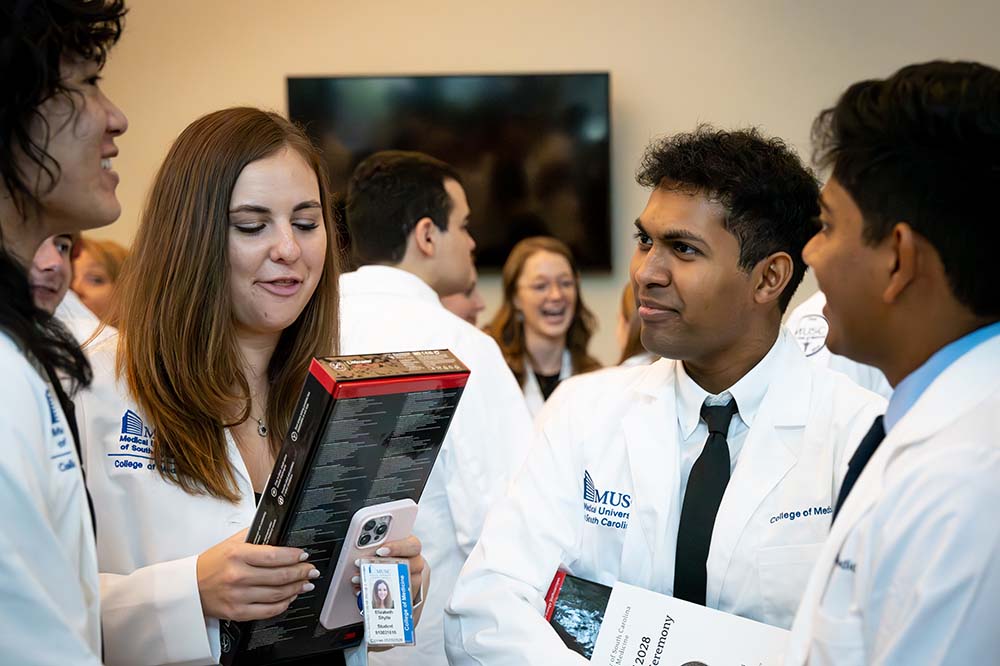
(553, 594)
(387, 385)
(317, 370)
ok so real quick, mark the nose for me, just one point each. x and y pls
(286, 248)
(117, 121)
(807, 251)
(647, 270)
(47, 258)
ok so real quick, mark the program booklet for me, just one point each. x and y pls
(628, 625)
(366, 430)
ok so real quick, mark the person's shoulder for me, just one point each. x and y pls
(606, 387)
(22, 382)
(811, 306)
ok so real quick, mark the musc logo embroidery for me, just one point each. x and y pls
(135, 450)
(607, 508)
(811, 333)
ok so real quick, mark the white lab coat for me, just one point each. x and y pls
(49, 590)
(619, 426)
(387, 309)
(533, 392)
(810, 327)
(910, 573)
(151, 531)
(80, 321)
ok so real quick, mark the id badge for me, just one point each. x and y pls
(385, 596)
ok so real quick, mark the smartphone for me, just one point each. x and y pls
(370, 528)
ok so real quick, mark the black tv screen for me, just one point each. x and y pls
(532, 150)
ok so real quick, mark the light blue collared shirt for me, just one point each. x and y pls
(910, 389)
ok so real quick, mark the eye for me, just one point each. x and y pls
(93, 80)
(642, 238)
(306, 224)
(685, 249)
(249, 228)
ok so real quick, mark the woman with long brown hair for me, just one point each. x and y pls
(231, 288)
(542, 326)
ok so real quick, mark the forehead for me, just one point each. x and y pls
(669, 209)
(545, 264)
(284, 175)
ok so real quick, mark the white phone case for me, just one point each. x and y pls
(340, 608)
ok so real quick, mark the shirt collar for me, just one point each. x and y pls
(387, 280)
(749, 392)
(909, 390)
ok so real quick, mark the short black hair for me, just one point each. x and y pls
(35, 36)
(771, 198)
(389, 192)
(923, 147)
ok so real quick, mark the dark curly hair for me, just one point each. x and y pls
(923, 147)
(771, 199)
(35, 35)
(389, 192)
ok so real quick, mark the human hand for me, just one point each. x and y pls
(242, 581)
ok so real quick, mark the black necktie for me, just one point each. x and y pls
(858, 461)
(705, 488)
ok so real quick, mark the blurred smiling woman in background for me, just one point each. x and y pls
(542, 326)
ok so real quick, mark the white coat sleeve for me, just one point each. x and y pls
(935, 592)
(495, 613)
(42, 604)
(153, 615)
(489, 441)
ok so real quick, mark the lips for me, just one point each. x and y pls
(281, 286)
(652, 311)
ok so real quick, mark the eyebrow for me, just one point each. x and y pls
(254, 208)
(674, 235)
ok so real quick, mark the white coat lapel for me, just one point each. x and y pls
(768, 453)
(650, 430)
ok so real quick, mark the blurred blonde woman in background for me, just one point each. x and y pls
(95, 271)
(542, 326)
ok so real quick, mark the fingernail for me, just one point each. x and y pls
(356, 580)
(357, 562)
(304, 556)
(308, 587)
(383, 551)
(314, 574)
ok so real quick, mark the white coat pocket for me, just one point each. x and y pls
(784, 572)
(836, 641)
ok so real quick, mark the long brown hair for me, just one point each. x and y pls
(177, 348)
(507, 327)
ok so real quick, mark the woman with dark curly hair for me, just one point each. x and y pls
(57, 132)
(542, 326)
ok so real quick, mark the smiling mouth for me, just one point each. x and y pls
(106, 163)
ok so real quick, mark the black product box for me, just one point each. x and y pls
(367, 429)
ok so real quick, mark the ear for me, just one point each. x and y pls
(425, 237)
(904, 245)
(771, 276)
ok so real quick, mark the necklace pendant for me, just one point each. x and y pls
(261, 428)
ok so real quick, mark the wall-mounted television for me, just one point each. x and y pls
(533, 150)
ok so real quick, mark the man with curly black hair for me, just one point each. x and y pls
(709, 475)
(910, 573)
(57, 132)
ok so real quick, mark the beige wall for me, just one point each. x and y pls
(673, 64)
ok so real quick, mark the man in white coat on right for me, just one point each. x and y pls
(910, 573)
(710, 474)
